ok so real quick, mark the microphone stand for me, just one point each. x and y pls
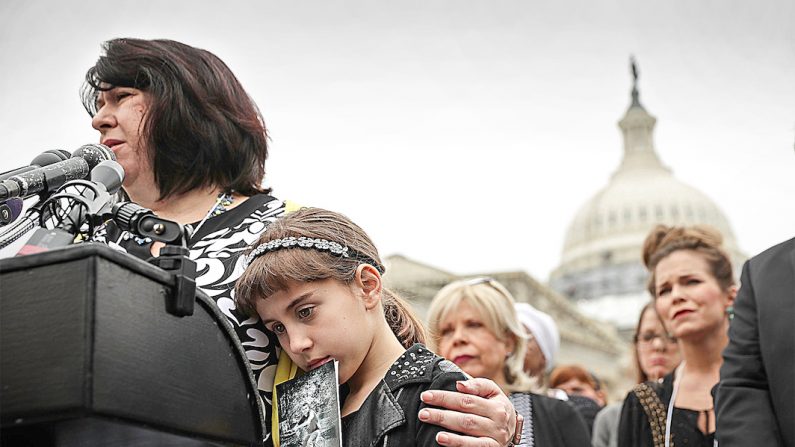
(142, 222)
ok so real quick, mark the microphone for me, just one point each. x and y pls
(10, 210)
(109, 174)
(46, 158)
(49, 178)
(83, 201)
(94, 154)
(51, 156)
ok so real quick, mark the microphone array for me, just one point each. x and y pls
(48, 178)
(75, 202)
(11, 209)
(83, 201)
(46, 158)
(76, 194)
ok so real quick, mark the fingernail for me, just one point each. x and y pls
(425, 415)
(442, 438)
(462, 383)
(426, 396)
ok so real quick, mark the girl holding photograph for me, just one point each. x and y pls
(314, 277)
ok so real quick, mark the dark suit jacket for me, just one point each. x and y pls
(755, 399)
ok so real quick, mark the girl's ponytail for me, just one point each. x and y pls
(402, 319)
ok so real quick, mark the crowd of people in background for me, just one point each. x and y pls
(688, 369)
(713, 366)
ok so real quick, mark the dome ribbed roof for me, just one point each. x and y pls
(610, 228)
(620, 216)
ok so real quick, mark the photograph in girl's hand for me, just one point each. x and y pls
(309, 409)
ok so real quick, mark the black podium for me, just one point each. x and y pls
(89, 356)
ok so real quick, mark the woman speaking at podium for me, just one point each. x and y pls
(193, 146)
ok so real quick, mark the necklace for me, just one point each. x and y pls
(678, 374)
(680, 371)
(219, 207)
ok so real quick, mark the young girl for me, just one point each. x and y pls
(314, 277)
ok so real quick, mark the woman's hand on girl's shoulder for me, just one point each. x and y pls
(480, 410)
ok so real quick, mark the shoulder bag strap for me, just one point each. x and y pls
(655, 412)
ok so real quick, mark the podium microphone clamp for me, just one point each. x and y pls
(174, 259)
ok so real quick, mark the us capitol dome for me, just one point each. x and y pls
(601, 267)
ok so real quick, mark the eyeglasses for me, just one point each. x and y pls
(490, 282)
(479, 280)
(647, 338)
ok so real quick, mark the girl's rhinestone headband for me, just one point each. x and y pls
(333, 248)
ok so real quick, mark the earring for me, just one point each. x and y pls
(509, 377)
(730, 312)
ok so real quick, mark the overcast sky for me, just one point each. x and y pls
(465, 134)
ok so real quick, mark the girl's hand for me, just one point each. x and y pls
(480, 410)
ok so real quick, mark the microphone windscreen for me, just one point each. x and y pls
(51, 156)
(110, 174)
(62, 153)
(10, 210)
(94, 154)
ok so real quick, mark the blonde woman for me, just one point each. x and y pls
(474, 324)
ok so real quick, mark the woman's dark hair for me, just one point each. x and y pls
(564, 373)
(201, 128)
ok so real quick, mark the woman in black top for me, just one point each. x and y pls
(692, 281)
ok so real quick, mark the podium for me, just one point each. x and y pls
(90, 356)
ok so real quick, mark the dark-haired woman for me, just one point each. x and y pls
(193, 146)
(656, 354)
(692, 281)
(193, 150)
